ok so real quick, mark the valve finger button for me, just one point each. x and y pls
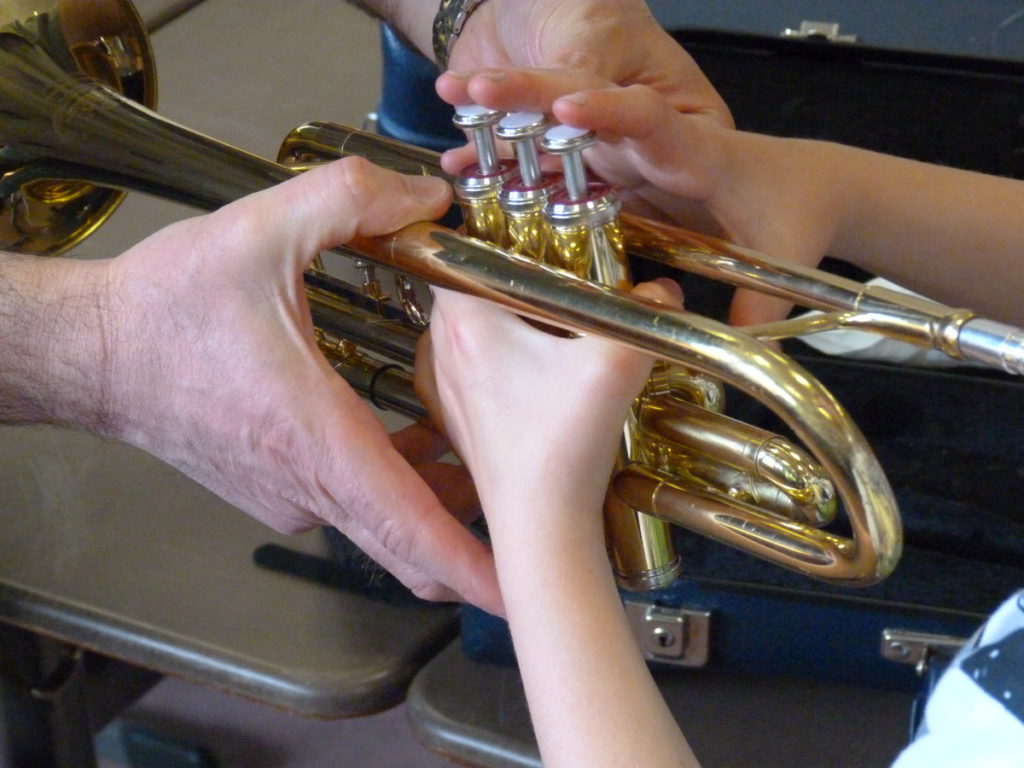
(569, 143)
(479, 122)
(521, 129)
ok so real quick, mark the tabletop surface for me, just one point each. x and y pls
(104, 546)
(110, 549)
(476, 714)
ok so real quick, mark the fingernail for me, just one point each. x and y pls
(671, 286)
(575, 98)
(459, 74)
(426, 189)
(493, 76)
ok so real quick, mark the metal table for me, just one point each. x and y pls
(109, 557)
(476, 714)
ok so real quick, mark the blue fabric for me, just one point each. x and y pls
(409, 109)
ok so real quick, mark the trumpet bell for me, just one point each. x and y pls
(42, 211)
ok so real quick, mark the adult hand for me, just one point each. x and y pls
(616, 40)
(212, 366)
(784, 197)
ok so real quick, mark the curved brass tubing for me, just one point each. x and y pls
(56, 125)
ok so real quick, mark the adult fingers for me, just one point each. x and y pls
(420, 443)
(508, 90)
(635, 112)
(677, 152)
(389, 511)
(328, 206)
(453, 485)
(662, 290)
(750, 307)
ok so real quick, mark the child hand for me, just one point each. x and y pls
(522, 405)
(774, 195)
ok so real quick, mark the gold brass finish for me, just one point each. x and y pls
(680, 337)
(586, 242)
(41, 210)
(529, 235)
(767, 471)
(84, 132)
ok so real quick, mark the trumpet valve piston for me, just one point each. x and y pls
(524, 199)
(478, 186)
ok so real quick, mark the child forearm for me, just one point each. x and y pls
(597, 704)
(950, 234)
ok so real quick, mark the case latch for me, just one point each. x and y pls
(677, 636)
(917, 648)
(819, 30)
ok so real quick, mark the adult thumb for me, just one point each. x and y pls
(329, 205)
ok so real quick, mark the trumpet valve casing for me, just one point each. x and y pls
(478, 193)
(524, 198)
(478, 186)
(640, 547)
(528, 230)
(587, 237)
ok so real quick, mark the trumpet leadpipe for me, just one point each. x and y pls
(991, 343)
(847, 303)
(925, 323)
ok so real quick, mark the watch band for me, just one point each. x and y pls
(448, 23)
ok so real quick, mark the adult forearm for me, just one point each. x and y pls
(53, 341)
(412, 18)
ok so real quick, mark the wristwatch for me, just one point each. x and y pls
(448, 23)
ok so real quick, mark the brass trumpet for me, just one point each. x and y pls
(76, 81)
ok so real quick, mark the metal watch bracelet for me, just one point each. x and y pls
(448, 23)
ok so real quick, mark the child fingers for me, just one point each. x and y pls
(635, 112)
(515, 89)
(662, 290)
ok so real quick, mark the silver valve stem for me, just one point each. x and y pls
(478, 121)
(569, 143)
(521, 129)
